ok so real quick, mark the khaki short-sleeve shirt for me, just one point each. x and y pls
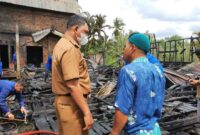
(67, 64)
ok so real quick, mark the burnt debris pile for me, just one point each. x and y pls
(179, 114)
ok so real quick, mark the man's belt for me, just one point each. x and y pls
(69, 95)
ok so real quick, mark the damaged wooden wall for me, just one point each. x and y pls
(30, 20)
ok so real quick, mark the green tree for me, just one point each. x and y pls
(97, 34)
(118, 26)
(115, 49)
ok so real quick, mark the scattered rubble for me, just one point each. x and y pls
(179, 116)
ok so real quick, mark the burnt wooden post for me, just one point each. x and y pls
(17, 51)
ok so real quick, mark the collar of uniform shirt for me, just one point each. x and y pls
(140, 59)
(71, 40)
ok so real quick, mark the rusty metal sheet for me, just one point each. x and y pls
(193, 68)
(176, 77)
(37, 36)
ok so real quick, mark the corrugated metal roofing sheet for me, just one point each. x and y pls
(184, 74)
(193, 68)
(37, 36)
(66, 6)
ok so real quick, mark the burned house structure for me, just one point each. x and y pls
(175, 52)
(40, 24)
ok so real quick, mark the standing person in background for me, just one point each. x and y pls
(70, 80)
(140, 91)
(1, 68)
(48, 67)
(14, 61)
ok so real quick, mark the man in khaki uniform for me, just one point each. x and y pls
(70, 80)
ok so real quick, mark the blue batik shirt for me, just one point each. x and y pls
(140, 94)
(48, 65)
(7, 88)
(152, 59)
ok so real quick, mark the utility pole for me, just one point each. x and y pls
(17, 51)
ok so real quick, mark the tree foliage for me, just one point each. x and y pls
(112, 47)
(118, 26)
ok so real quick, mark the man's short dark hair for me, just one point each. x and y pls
(20, 83)
(197, 51)
(75, 20)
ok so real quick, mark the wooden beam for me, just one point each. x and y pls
(17, 51)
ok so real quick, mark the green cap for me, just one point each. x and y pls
(140, 40)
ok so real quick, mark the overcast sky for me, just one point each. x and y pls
(162, 17)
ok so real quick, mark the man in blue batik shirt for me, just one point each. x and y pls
(48, 67)
(140, 91)
(7, 88)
